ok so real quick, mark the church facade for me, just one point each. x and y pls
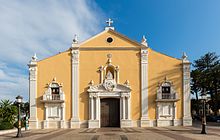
(109, 80)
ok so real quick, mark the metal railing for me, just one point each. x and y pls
(53, 97)
(168, 96)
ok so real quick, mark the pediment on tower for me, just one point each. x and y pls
(110, 39)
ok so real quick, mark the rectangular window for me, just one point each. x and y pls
(166, 92)
(165, 89)
(55, 93)
(55, 90)
(53, 112)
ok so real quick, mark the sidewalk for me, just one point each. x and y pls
(2, 132)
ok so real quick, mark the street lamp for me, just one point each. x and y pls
(204, 97)
(19, 102)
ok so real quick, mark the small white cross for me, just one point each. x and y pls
(109, 21)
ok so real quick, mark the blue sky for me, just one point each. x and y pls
(47, 28)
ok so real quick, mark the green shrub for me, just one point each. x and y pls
(5, 125)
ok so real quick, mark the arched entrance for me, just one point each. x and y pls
(110, 112)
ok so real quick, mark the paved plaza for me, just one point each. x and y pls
(149, 133)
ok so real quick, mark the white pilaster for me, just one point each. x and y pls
(92, 107)
(46, 112)
(97, 108)
(187, 119)
(123, 106)
(129, 107)
(144, 88)
(75, 123)
(94, 121)
(33, 121)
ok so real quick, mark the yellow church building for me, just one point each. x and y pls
(109, 80)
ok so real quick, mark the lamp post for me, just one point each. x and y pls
(19, 102)
(204, 97)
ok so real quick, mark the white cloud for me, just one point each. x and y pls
(44, 27)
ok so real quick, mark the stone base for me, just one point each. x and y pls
(33, 124)
(177, 122)
(62, 124)
(145, 123)
(187, 121)
(74, 123)
(164, 123)
(45, 124)
(126, 123)
(93, 124)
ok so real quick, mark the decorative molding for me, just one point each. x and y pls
(144, 56)
(144, 41)
(95, 48)
(75, 56)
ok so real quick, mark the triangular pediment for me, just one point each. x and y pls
(118, 41)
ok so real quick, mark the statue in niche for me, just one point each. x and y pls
(109, 82)
(109, 75)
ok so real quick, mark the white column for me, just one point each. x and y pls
(45, 122)
(97, 108)
(33, 92)
(75, 88)
(129, 109)
(46, 112)
(123, 106)
(144, 87)
(63, 111)
(174, 110)
(92, 108)
(187, 119)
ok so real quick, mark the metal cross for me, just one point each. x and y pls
(109, 21)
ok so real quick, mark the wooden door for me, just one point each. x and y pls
(110, 112)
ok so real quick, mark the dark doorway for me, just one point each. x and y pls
(110, 112)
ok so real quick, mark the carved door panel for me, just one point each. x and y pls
(104, 114)
(110, 112)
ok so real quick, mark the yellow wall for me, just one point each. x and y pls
(160, 66)
(58, 66)
(93, 54)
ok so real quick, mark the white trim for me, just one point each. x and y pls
(33, 91)
(114, 32)
(75, 88)
(144, 87)
(187, 119)
(95, 123)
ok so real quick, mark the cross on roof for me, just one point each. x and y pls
(109, 22)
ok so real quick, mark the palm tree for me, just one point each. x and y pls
(8, 111)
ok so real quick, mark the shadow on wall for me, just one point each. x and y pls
(174, 75)
(84, 98)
